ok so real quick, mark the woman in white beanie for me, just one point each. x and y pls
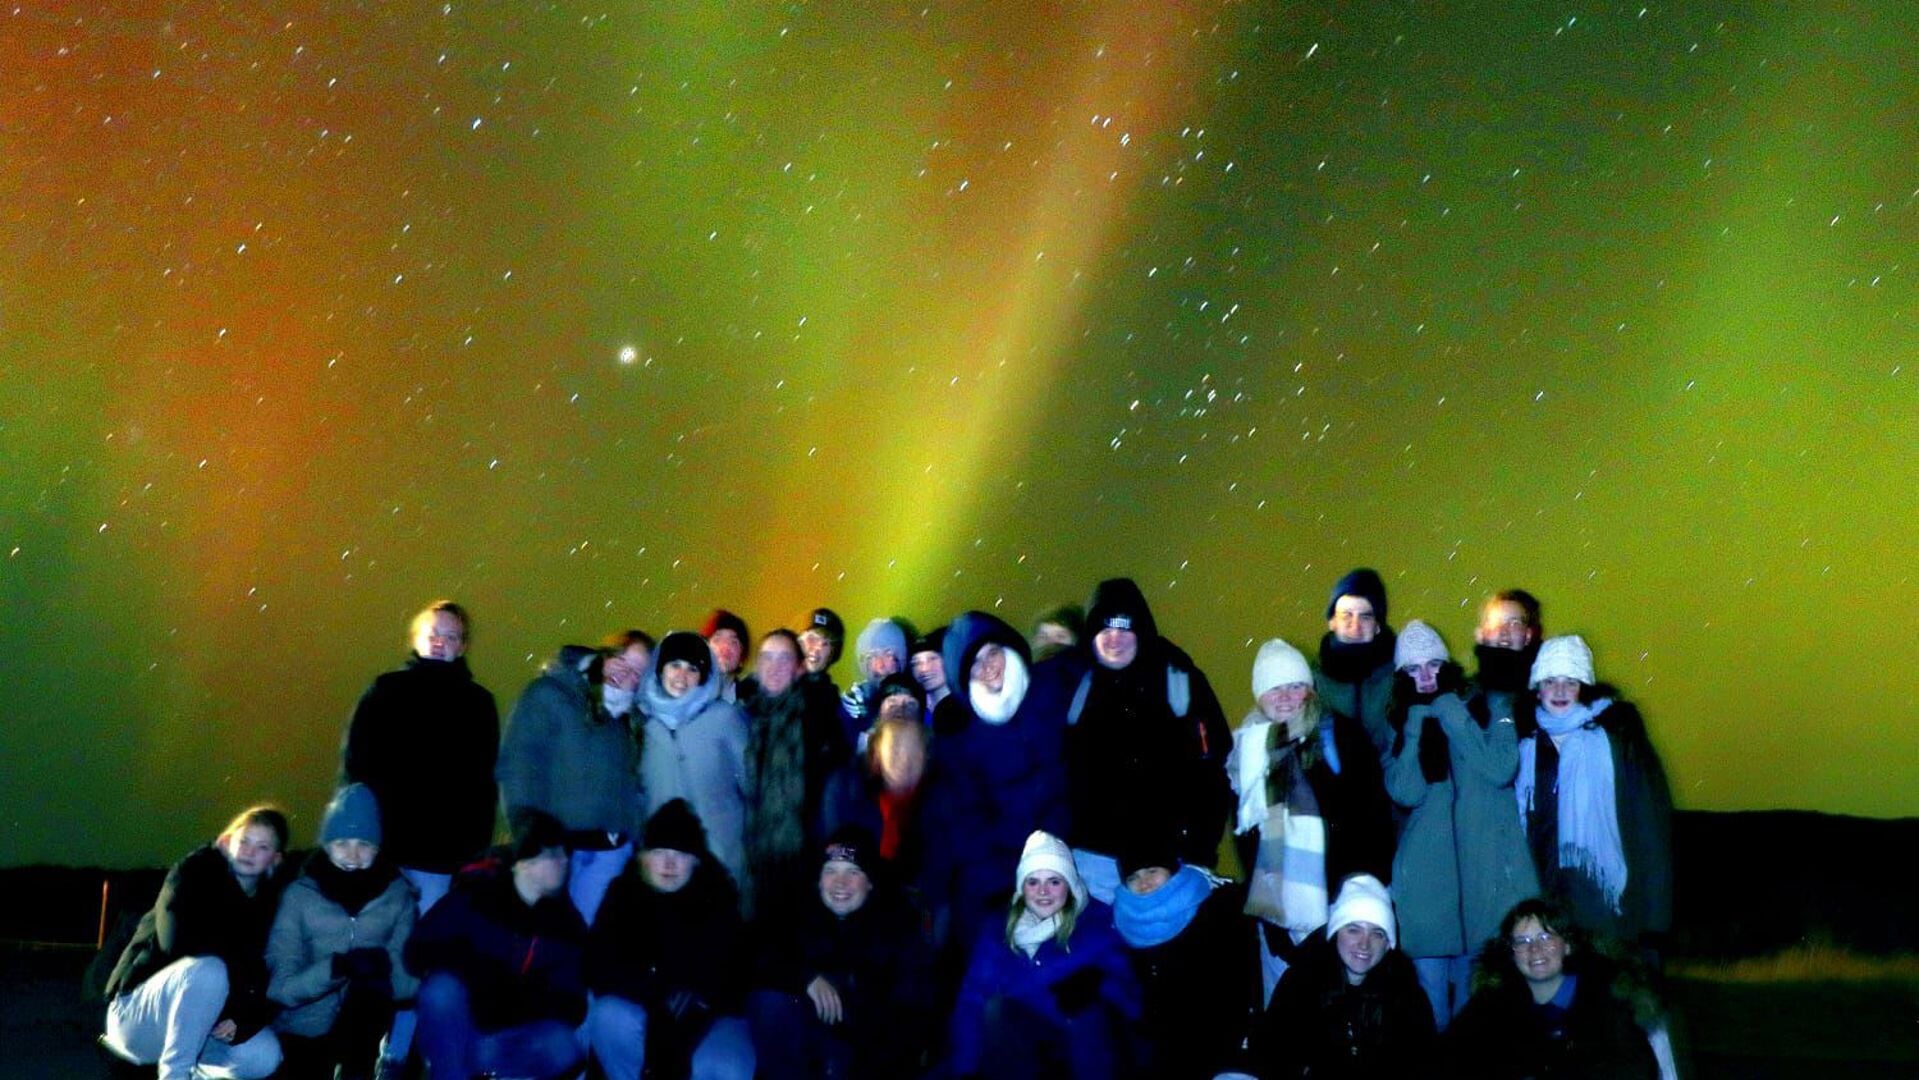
(1052, 993)
(1351, 1005)
(1594, 798)
(1312, 805)
(1462, 860)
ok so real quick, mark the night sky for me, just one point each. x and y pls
(596, 316)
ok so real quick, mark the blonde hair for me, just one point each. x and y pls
(264, 814)
(1068, 916)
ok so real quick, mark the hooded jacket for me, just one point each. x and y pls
(694, 747)
(991, 784)
(520, 962)
(203, 911)
(1138, 761)
(313, 927)
(425, 738)
(565, 757)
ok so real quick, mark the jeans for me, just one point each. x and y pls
(454, 1046)
(799, 1045)
(432, 887)
(617, 1028)
(590, 874)
(1024, 1045)
(1099, 873)
(1447, 981)
(167, 1021)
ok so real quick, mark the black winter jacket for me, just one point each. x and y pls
(1319, 1026)
(425, 738)
(202, 911)
(521, 963)
(650, 947)
(1202, 991)
(1502, 1035)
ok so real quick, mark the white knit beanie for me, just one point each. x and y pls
(1363, 899)
(1044, 851)
(1418, 643)
(1278, 664)
(1563, 658)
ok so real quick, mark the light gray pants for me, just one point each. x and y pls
(166, 1021)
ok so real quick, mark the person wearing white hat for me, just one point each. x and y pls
(1595, 801)
(1312, 805)
(1351, 1005)
(1052, 993)
(1462, 859)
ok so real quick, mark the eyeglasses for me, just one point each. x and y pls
(1543, 939)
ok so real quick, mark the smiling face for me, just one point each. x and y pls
(1538, 953)
(678, 677)
(1353, 621)
(844, 887)
(351, 855)
(1361, 947)
(930, 670)
(1115, 648)
(1558, 695)
(1147, 880)
(819, 651)
(1285, 704)
(1503, 625)
(1045, 893)
(989, 668)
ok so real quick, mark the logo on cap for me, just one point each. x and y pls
(1119, 622)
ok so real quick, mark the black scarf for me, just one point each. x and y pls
(352, 890)
(1506, 669)
(1352, 661)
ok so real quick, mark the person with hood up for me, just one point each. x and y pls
(570, 753)
(1000, 772)
(1355, 677)
(1146, 742)
(847, 992)
(189, 991)
(426, 738)
(667, 964)
(499, 962)
(693, 746)
(1351, 1007)
(792, 748)
(1050, 993)
(1462, 860)
(1550, 1004)
(336, 950)
(726, 633)
(1312, 806)
(881, 651)
(1593, 794)
(1196, 956)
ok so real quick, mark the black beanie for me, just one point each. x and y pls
(687, 646)
(931, 641)
(1144, 848)
(675, 827)
(722, 619)
(854, 844)
(1365, 584)
(534, 832)
(899, 682)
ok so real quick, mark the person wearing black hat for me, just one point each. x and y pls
(1197, 958)
(822, 635)
(1146, 744)
(667, 962)
(726, 633)
(1355, 677)
(929, 668)
(499, 961)
(848, 991)
(693, 746)
(335, 953)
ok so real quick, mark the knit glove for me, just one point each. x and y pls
(1078, 990)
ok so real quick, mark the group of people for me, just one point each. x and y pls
(989, 854)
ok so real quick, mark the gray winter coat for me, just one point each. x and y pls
(307, 933)
(1462, 861)
(694, 748)
(563, 755)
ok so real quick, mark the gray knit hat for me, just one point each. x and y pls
(354, 814)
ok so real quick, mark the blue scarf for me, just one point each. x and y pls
(1163, 914)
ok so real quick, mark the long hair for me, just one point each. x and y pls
(1068, 916)
(263, 814)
